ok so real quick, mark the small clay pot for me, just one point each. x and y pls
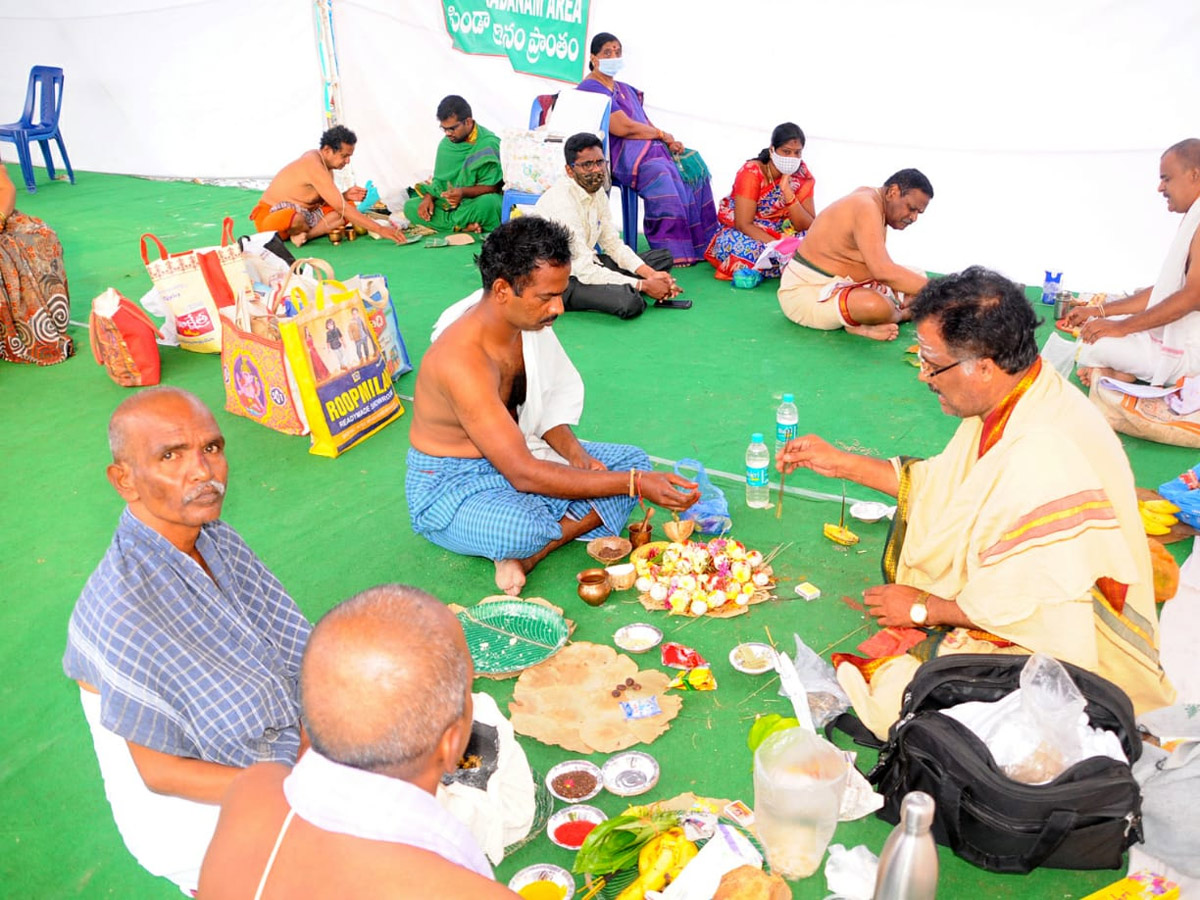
(593, 586)
(639, 533)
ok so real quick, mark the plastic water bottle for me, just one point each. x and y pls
(908, 865)
(787, 418)
(758, 495)
(1051, 286)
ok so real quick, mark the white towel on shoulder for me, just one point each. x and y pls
(1179, 341)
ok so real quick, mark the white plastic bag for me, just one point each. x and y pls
(826, 699)
(1039, 730)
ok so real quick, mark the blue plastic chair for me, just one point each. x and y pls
(44, 128)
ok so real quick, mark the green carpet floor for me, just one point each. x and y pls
(680, 384)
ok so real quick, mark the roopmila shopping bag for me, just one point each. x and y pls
(194, 284)
(258, 380)
(339, 367)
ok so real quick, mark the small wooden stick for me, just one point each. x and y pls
(770, 640)
(596, 887)
(779, 503)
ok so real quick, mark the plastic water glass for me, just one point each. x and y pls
(798, 783)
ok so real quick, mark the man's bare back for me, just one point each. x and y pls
(848, 237)
(298, 181)
(316, 863)
(830, 242)
(460, 354)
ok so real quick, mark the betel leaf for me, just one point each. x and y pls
(614, 844)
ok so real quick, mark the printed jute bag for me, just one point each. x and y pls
(259, 383)
(123, 340)
(340, 371)
(381, 313)
(1147, 417)
(195, 284)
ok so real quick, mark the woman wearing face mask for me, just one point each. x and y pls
(679, 216)
(772, 197)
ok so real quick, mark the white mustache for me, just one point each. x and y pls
(201, 489)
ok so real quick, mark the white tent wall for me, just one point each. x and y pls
(209, 89)
(1040, 124)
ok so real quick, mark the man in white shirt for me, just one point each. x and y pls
(613, 279)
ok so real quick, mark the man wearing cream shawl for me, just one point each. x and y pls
(1021, 536)
(495, 469)
(1154, 335)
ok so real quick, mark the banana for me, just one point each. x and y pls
(1156, 520)
(840, 535)
(1164, 507)
(660, 860)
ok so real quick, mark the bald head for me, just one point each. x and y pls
(1188, 151)
(159, 400)
(384, 677)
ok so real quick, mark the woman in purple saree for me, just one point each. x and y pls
(679, 216)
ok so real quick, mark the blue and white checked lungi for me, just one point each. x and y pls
(468, 507)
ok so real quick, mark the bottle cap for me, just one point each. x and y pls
(788, 398)
(756, 438)
(916, 812)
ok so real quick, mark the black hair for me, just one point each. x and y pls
(1188, 151)
(910, 180)
(519, 246)
(453, 105)
(788, 131)
(577, 143)
(336, 136)
(981, 315)
(598, 43)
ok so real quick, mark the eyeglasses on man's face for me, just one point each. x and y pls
(931, 371)
(590, 165)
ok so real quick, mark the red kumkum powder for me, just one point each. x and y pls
(573, 833)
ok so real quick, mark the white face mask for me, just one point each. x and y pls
(610, 66)
(788, 165)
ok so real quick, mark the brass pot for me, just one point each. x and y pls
(639, 533)
(593, 586)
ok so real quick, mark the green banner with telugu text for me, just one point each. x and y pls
(539, 37)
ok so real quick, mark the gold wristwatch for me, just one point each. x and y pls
(919, 612)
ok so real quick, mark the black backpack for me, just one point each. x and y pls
(1083, 819)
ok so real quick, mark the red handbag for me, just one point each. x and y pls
(123, 340)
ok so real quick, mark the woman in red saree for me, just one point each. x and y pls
(772, 197)
(34, 307)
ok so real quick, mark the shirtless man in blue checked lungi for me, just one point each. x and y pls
(495, 469)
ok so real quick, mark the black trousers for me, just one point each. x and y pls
(621, 300)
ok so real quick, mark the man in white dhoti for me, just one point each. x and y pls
(495, 469)
(1023, 535)
(1154, 335)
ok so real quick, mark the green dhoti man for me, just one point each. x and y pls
(473, 162)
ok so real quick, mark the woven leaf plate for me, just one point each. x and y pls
(509, 637)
